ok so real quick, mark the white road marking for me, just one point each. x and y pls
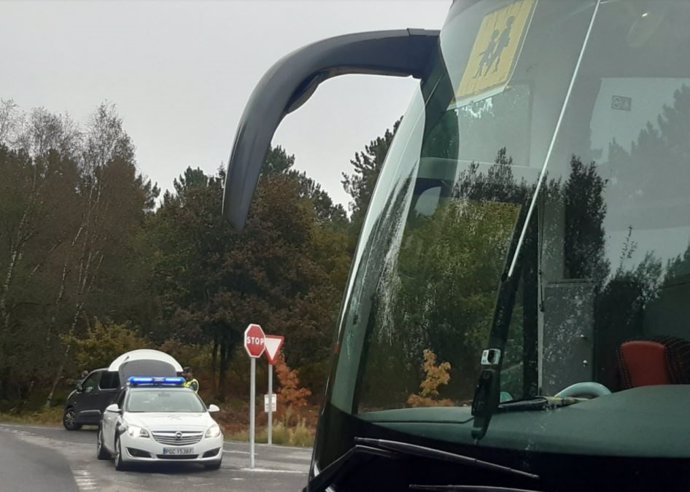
(84, 479)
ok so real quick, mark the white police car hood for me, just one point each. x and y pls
(163, 421)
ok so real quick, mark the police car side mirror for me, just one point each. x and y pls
(113, 408)
(213, 408)
(79, 387)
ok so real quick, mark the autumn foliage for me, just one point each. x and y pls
(292, 398)
(436, 375)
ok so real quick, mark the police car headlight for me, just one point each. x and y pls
(213, 431)
(134, 431)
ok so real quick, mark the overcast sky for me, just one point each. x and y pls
(180, 74)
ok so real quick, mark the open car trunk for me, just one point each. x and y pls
(145, 362)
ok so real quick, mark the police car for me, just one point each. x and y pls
(157, 419)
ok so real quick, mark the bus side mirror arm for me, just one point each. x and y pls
(293, 79)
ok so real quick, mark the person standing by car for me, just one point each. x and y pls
(191, 381)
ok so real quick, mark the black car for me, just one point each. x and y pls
(86, 403)
(88, 400)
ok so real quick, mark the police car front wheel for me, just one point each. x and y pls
(101, 452)
(119, 461)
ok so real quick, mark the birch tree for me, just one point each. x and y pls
(113, 200)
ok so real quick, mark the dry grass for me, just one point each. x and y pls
(298, 435)
(234, 419)
(51, 416)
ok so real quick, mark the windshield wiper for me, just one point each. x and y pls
(537, 403)
(349, 460)
(488, 389)
(368, 447)
(467, 488)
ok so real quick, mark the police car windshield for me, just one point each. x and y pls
(163, 400)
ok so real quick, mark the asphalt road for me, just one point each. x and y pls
(38, 459)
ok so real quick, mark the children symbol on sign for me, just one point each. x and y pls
(487, 55)
(491, 56)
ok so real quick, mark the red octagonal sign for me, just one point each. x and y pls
(254, 340)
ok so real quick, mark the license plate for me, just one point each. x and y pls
(178, 451)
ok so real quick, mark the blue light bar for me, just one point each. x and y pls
(157, 381)
(177, 381)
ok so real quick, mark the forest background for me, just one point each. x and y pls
(94, 261)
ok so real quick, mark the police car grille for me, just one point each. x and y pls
(171, 437)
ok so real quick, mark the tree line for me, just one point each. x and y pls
(94, 260)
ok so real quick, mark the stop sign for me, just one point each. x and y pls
(254, 340)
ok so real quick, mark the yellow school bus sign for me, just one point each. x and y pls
(495, 50)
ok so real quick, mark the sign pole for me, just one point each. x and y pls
(272, 345)
(255, 345)
(252, 405)
(270, 404)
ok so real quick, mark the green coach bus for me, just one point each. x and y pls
(517, 315)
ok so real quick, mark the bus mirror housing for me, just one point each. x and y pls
(294, 78)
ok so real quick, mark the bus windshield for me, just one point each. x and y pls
(548, 155)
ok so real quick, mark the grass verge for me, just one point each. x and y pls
(299, 435)
(50, 416)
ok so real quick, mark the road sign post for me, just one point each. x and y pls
(272, 343)
(270, 404)
(254, 344)
(252, 409)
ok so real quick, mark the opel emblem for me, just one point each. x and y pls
(178, 435)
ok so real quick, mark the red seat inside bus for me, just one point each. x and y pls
(653, 362)
(644, 363)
